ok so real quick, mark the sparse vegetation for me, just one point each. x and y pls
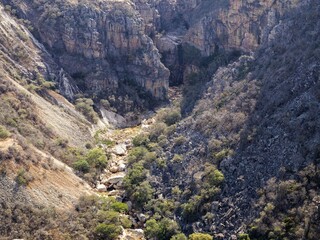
(200, 236)
(23, 178)
(4, 133)
(92, 218)
(85, 106)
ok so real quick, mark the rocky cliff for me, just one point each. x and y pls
(211, 26)
(243, 157)
(231, 24)
(103, 46)
(256, 122)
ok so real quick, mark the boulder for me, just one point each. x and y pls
(114, 169)
(101, 188)
(122, 167)
(115, 178)
(120, 149)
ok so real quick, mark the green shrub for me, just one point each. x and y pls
(149, 158)
(23, 178)
(142, 194)
(170, 116)
(96, 157)
(3, 133)
(85, 106)
(222, 154)
(140, 140)
(200, 236)
(164, 207)
(105, 103)
(136, 154)
(108, 216)
(190, 210)
(243, 236)
(161, 230)
(152, 228)
(156, 130)
(213, 176)
(177, 158)
(119, 207)
(125, 222)
(179, 236)
(82, 166)
(135, 175)
(107, 231)
(178, 141)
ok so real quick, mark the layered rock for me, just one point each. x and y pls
(234, 24)
(150, 15)
(103, 46)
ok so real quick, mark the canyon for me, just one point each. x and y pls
(225, 94)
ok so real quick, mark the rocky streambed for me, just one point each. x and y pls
(110, 182)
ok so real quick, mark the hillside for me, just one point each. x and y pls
(159, 119)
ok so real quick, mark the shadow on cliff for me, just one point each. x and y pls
(200, 70)
(282, 134)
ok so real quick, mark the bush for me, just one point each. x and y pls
(152, 229)
(96, 157)
(149, 158)
(178, 141)
(107, 231)
(213, 176)
(170, 116)
(82, 166)
(161, 230)
(135, 175)
(200, 236)
(243, 236)
(136, 154)
(125, 222)
(3, 133)
(119, 207)
(105, 103)
(177, 158)
(85, 106)
(179, 236)
(142, 194)
(157, 130)
(222, 154)
(23, 178)
(140, 140)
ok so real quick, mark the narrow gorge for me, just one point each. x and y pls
(159, 119)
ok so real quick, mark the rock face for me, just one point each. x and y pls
(103, 46)
(211, 25)
(264, 107)
(231, 24)
(108, 49)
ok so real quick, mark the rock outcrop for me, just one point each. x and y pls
(257, 123)
(102, 45)
(231, 24)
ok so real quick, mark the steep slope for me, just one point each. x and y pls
(246, 159)
(239, 154)
(103, 46)
(37, 123)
